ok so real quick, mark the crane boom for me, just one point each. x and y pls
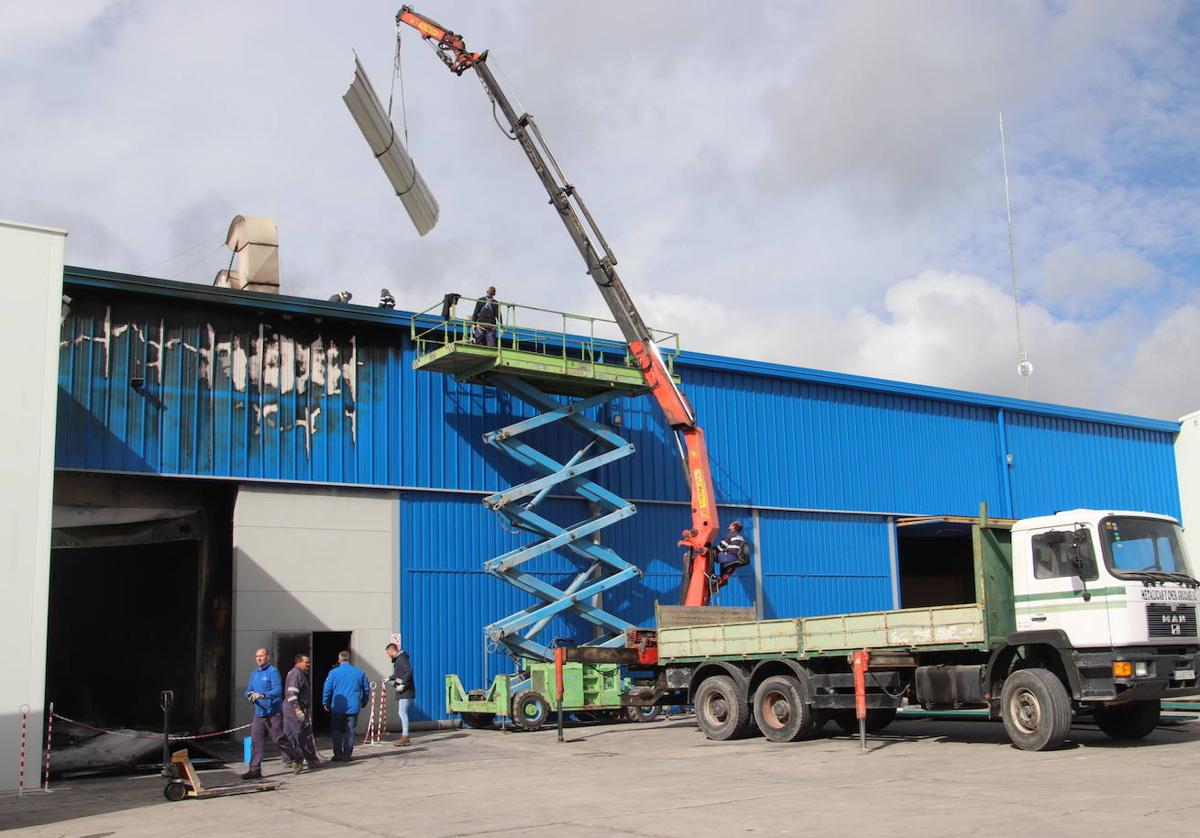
(697, 539)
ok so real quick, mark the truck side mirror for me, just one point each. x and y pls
(1076, 559)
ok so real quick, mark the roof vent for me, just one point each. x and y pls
(255, 240)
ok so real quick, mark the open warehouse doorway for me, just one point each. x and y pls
(935, 561)
(322, 648)
(140, 593)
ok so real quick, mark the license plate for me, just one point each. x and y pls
(1185, 675)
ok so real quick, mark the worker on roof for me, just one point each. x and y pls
(732, 552)
(486, 318)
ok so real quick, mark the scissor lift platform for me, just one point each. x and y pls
(563, 377)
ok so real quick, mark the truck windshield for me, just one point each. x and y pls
(1139, 548)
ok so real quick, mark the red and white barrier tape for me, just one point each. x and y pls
(134, 735)
(21, 763)
(383, 712)
(369, 738)
(49, 734)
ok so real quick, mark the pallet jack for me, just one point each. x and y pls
(183, 780)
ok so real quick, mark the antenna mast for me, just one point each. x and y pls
(1024, 365)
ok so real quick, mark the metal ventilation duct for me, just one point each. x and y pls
(390, 151)
(255, 240)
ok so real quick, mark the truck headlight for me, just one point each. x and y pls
(1122, 669)
(1141, 669)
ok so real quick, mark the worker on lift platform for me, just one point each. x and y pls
(487, 318)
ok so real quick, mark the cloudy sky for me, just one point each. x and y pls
(817, 184)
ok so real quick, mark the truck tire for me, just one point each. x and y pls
(877, 720)
(722, 710)
(1036, 710)
(780, 710)
(530, 710)
(478, 721)
(1133, 720)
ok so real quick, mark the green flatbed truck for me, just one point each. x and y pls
(1082, 612)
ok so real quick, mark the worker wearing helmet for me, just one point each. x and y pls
(732, 552)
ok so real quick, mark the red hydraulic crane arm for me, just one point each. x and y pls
(698, 539)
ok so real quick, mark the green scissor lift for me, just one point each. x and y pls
(562, 375)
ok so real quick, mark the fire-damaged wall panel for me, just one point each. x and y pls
(221, 392)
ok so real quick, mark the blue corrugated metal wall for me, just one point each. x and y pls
(1063, 463)
(823, 564)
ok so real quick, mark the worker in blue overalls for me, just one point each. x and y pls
(264, 690)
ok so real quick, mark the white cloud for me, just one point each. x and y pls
(1085, 283)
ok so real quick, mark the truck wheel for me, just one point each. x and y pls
(721, 709)
(1036, 710)
(643, 714)
(877, 719)
(530, 710)
(1128, 721)
(780, 710)
(479, 721)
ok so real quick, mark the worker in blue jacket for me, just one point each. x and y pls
(264, 690)
(346, 691)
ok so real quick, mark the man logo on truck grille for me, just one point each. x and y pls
(1172, 620)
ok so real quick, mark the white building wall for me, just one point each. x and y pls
(1187, 462)
(31, 266)
(313, 559)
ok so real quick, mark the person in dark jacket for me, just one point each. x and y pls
(297, 713)
(486, 318)
(733, 552)
(265, 691)
(406, 690)
(346, 691)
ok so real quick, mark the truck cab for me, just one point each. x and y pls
(1117, 589)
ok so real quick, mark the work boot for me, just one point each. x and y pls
(252, 774)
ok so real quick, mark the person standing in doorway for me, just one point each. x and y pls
(406, 690)
(486, 318)
(346, 691)
(264, 690)
(297, 713)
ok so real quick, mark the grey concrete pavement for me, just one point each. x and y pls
(665, 779)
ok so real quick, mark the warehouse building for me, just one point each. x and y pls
(235, 469)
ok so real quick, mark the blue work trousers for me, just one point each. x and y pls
(342, 732)
(300, 734)
(263, 727)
